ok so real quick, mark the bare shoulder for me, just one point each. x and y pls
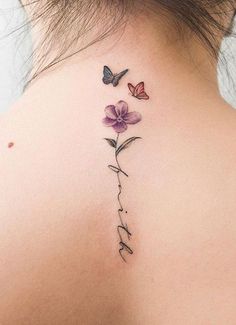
(54, 229)
(191, 225)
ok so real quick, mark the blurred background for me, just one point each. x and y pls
(15, 57)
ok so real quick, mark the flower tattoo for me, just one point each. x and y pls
(118, 117)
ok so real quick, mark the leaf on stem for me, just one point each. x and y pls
(126, 144)
(111, 142)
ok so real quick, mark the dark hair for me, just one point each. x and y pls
(205, 19)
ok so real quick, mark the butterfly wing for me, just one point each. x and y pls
(139, 88)
(118, 76)
(131, 88)
(107, 75)
(140, 92)
(143, 95)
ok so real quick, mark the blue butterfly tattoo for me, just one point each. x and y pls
(110, 78)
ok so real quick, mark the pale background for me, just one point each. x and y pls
(15, 51)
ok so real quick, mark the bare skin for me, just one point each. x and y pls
(58, 241)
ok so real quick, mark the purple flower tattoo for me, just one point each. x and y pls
(118, 116)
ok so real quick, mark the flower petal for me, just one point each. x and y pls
(132, 117)
(121, 108)
(108, 121)
(110, 112)
(120, 127)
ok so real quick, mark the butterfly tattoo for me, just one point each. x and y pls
(110, 78)
(138, 91)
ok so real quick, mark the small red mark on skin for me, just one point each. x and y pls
(10, 144)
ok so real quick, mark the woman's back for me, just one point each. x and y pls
(59, 244)
(149, 240)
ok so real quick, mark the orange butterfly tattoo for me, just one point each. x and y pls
(138, 91)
